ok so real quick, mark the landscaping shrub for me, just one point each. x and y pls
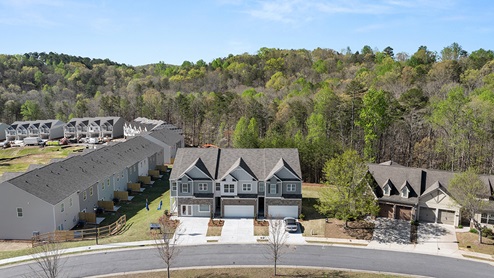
(473, 231)
(486, 232)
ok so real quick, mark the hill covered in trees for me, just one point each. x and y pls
(426, 109)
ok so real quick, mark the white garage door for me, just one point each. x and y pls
(446, 217)
(239, 211)
(283, 211)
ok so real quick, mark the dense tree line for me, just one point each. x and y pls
(427, 109)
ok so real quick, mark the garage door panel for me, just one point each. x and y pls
(404, 213)
(446, 217)
(238, 211)
(427, 215)
(283, 211)
(386, 211)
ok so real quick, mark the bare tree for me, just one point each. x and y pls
(48, 259)
(167, 240)
(276, 241)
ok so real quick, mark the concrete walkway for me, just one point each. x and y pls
(433, 239)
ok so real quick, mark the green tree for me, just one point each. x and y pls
(347, 194)
(30, 111)
(246, 134)
(468, 191)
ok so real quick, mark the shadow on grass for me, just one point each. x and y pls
(308, 209)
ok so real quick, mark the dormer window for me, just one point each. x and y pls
(387, 190)
(405, 192)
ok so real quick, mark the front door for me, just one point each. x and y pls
(186, 210)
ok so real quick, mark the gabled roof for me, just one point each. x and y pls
(167, 136)
(199, 165)
(188, 156)
(240, 163)
(280, 165)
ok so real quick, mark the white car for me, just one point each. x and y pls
(17, 143)
(291, 224)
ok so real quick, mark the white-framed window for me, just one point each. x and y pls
(103, 186)
(62, 207)
(218, 187)
(272, 188)
(486, 218)
(203, 187)
(90, 191)
(70, 202)
(229, 188)
(246, 187)
(20, 213)
(203, 208)
(291, 187)
(174, 186)
(405, 192)
(84, 195)
(387, 190)
(261, 188)
(185, 188)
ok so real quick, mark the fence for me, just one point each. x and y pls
(84, 234)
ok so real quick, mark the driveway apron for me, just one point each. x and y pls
(193, 230)
(238, 230)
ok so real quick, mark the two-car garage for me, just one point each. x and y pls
(432, 215)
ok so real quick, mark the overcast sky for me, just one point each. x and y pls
(138, 32)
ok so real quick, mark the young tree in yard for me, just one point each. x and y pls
(276, 241)
(470, 193)
(167, 240)
(48, 259)
(347, 194)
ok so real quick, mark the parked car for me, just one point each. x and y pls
(93, 140)
(291, 224)
(17, 143)
(5, 144)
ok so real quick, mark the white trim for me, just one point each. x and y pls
(21, 212)
(204, 185)
(186, 187)
(271, 188)
(389, 190)
(291, 187)
(246, 187)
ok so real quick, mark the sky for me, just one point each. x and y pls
(140, 32)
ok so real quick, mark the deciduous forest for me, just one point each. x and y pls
(426, 109)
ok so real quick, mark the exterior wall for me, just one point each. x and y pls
(133, 173)
(260, 186)
(143, 167)
(229, 180)
(282, 202)
(166, 155)
(37, 214)
(105, 193)
(181, 183)
(91, 201)
(3, 127)
(152, 162)
(160, 158)
(196, 183)
(118, 128)
(195, 202)
(278, 193)
(439, 200)
(238, 202)
(67, 219)
(120, 180)
(56, 132)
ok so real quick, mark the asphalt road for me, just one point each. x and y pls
(127, 260)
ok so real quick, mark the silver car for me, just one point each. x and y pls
(291, 224)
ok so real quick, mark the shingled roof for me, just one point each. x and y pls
(257, 162)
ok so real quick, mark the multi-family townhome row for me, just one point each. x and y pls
(422, 194)
(53, 196)
(142, 125)
(236, 183)
(44, 129)
(98, 127)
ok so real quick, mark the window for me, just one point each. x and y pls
(204, 208)
(174, 186)
(108, 182)
(90, 191)
(246, 187)
(229, 188)
(261, 188)
(203, 187)
(272, 188)
(404, 192)
(62, 207)
(102, 186)
(84, 195)
(19, 212)
(218, 187)
(387, 190)
(487, 218)
(185, 188)
(291, 187)
(70, 202)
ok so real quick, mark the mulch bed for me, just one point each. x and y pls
(216, 222)
(261, 223)
(359, 229)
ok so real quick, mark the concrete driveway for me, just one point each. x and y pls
(238, 230)
(193, 230)
(432, 238)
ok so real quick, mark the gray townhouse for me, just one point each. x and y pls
(421, 194)
(142, 125)
(169, 140)
(44, 129)
(3, 127)
(236, 182)
(97, 127)
(52, 197)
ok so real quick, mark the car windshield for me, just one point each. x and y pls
(290, 221)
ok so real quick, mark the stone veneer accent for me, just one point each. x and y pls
(239, 202)
(282, 202)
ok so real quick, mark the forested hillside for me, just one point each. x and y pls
(425, 109)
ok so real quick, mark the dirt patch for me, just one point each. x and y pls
(216, 222)
(261, 223)
(12, 245)
(360, 229)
